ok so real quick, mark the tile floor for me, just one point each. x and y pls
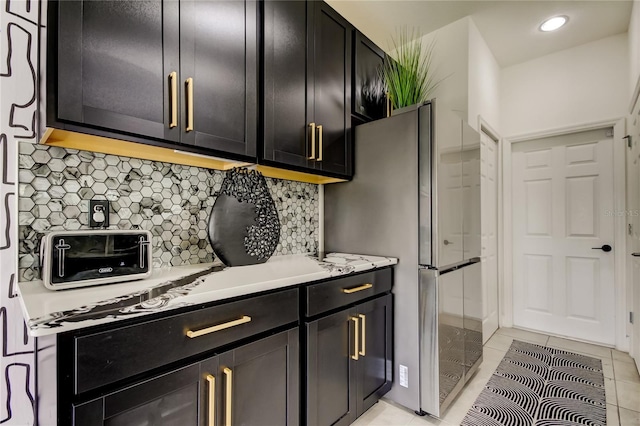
(622, 384)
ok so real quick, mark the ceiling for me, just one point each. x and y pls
(510, 28)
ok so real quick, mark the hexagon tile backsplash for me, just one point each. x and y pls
(170, 200)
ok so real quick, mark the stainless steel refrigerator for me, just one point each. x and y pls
(416, 196)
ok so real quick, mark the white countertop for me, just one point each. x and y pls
(50, 312)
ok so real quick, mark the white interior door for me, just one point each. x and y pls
(562, 198)
(489, 204)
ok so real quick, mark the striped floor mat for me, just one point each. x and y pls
(536, 385)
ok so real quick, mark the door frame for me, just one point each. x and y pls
(487, 129)
(633, 297)
(619, 200)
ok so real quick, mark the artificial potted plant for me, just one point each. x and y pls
(408, 74)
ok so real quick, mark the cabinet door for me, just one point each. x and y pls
(368, 92)
(259, 382)
(332, 89)
(218, 64)
(170, 399)
(331, 370)
(114, 65)
(288, 110)
(375, 365)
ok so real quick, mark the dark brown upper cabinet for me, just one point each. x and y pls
(218, 58)
(183, 72)
(113, 64)
(307, 88)
(368, 91)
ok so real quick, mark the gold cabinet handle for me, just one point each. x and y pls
(387, 102)
(189, 84)
(191, 334)
(228, 405)
(356, 339)
(389, 105)
(320, 147)
(363, 343)
(211, 414)
(173, 82)
(313, 141)
(356, 289)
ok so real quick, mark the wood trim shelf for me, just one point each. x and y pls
(84, 142)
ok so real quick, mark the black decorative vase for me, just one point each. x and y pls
(244, 228)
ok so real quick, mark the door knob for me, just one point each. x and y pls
(605, 248)
(447, 242)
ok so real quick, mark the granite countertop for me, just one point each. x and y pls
(50, 312)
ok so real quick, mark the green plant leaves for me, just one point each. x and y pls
(409, 75)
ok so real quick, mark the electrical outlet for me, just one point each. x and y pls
(98, 213)
(404, 376)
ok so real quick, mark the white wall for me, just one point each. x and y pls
(451, 62)
(634, 46)
(470, 72)
(483, 82)
(584, 84)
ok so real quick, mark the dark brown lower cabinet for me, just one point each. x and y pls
(375, 365)
(349, 364)
(331, 374)
(259, 382)
(254, 384)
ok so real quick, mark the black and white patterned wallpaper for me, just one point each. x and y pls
(18, 115)
(172, 201)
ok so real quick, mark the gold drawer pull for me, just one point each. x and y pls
(312, 126)
(363, 349)
(189, 126)
(173, 77)
(212, 400)
(356, 339)
(228, 405)
(213, 329)
(356, 289)
(320, 146)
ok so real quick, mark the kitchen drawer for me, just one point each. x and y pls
(333, 294)
(109, 356)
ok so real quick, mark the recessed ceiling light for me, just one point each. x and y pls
(554, 23)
